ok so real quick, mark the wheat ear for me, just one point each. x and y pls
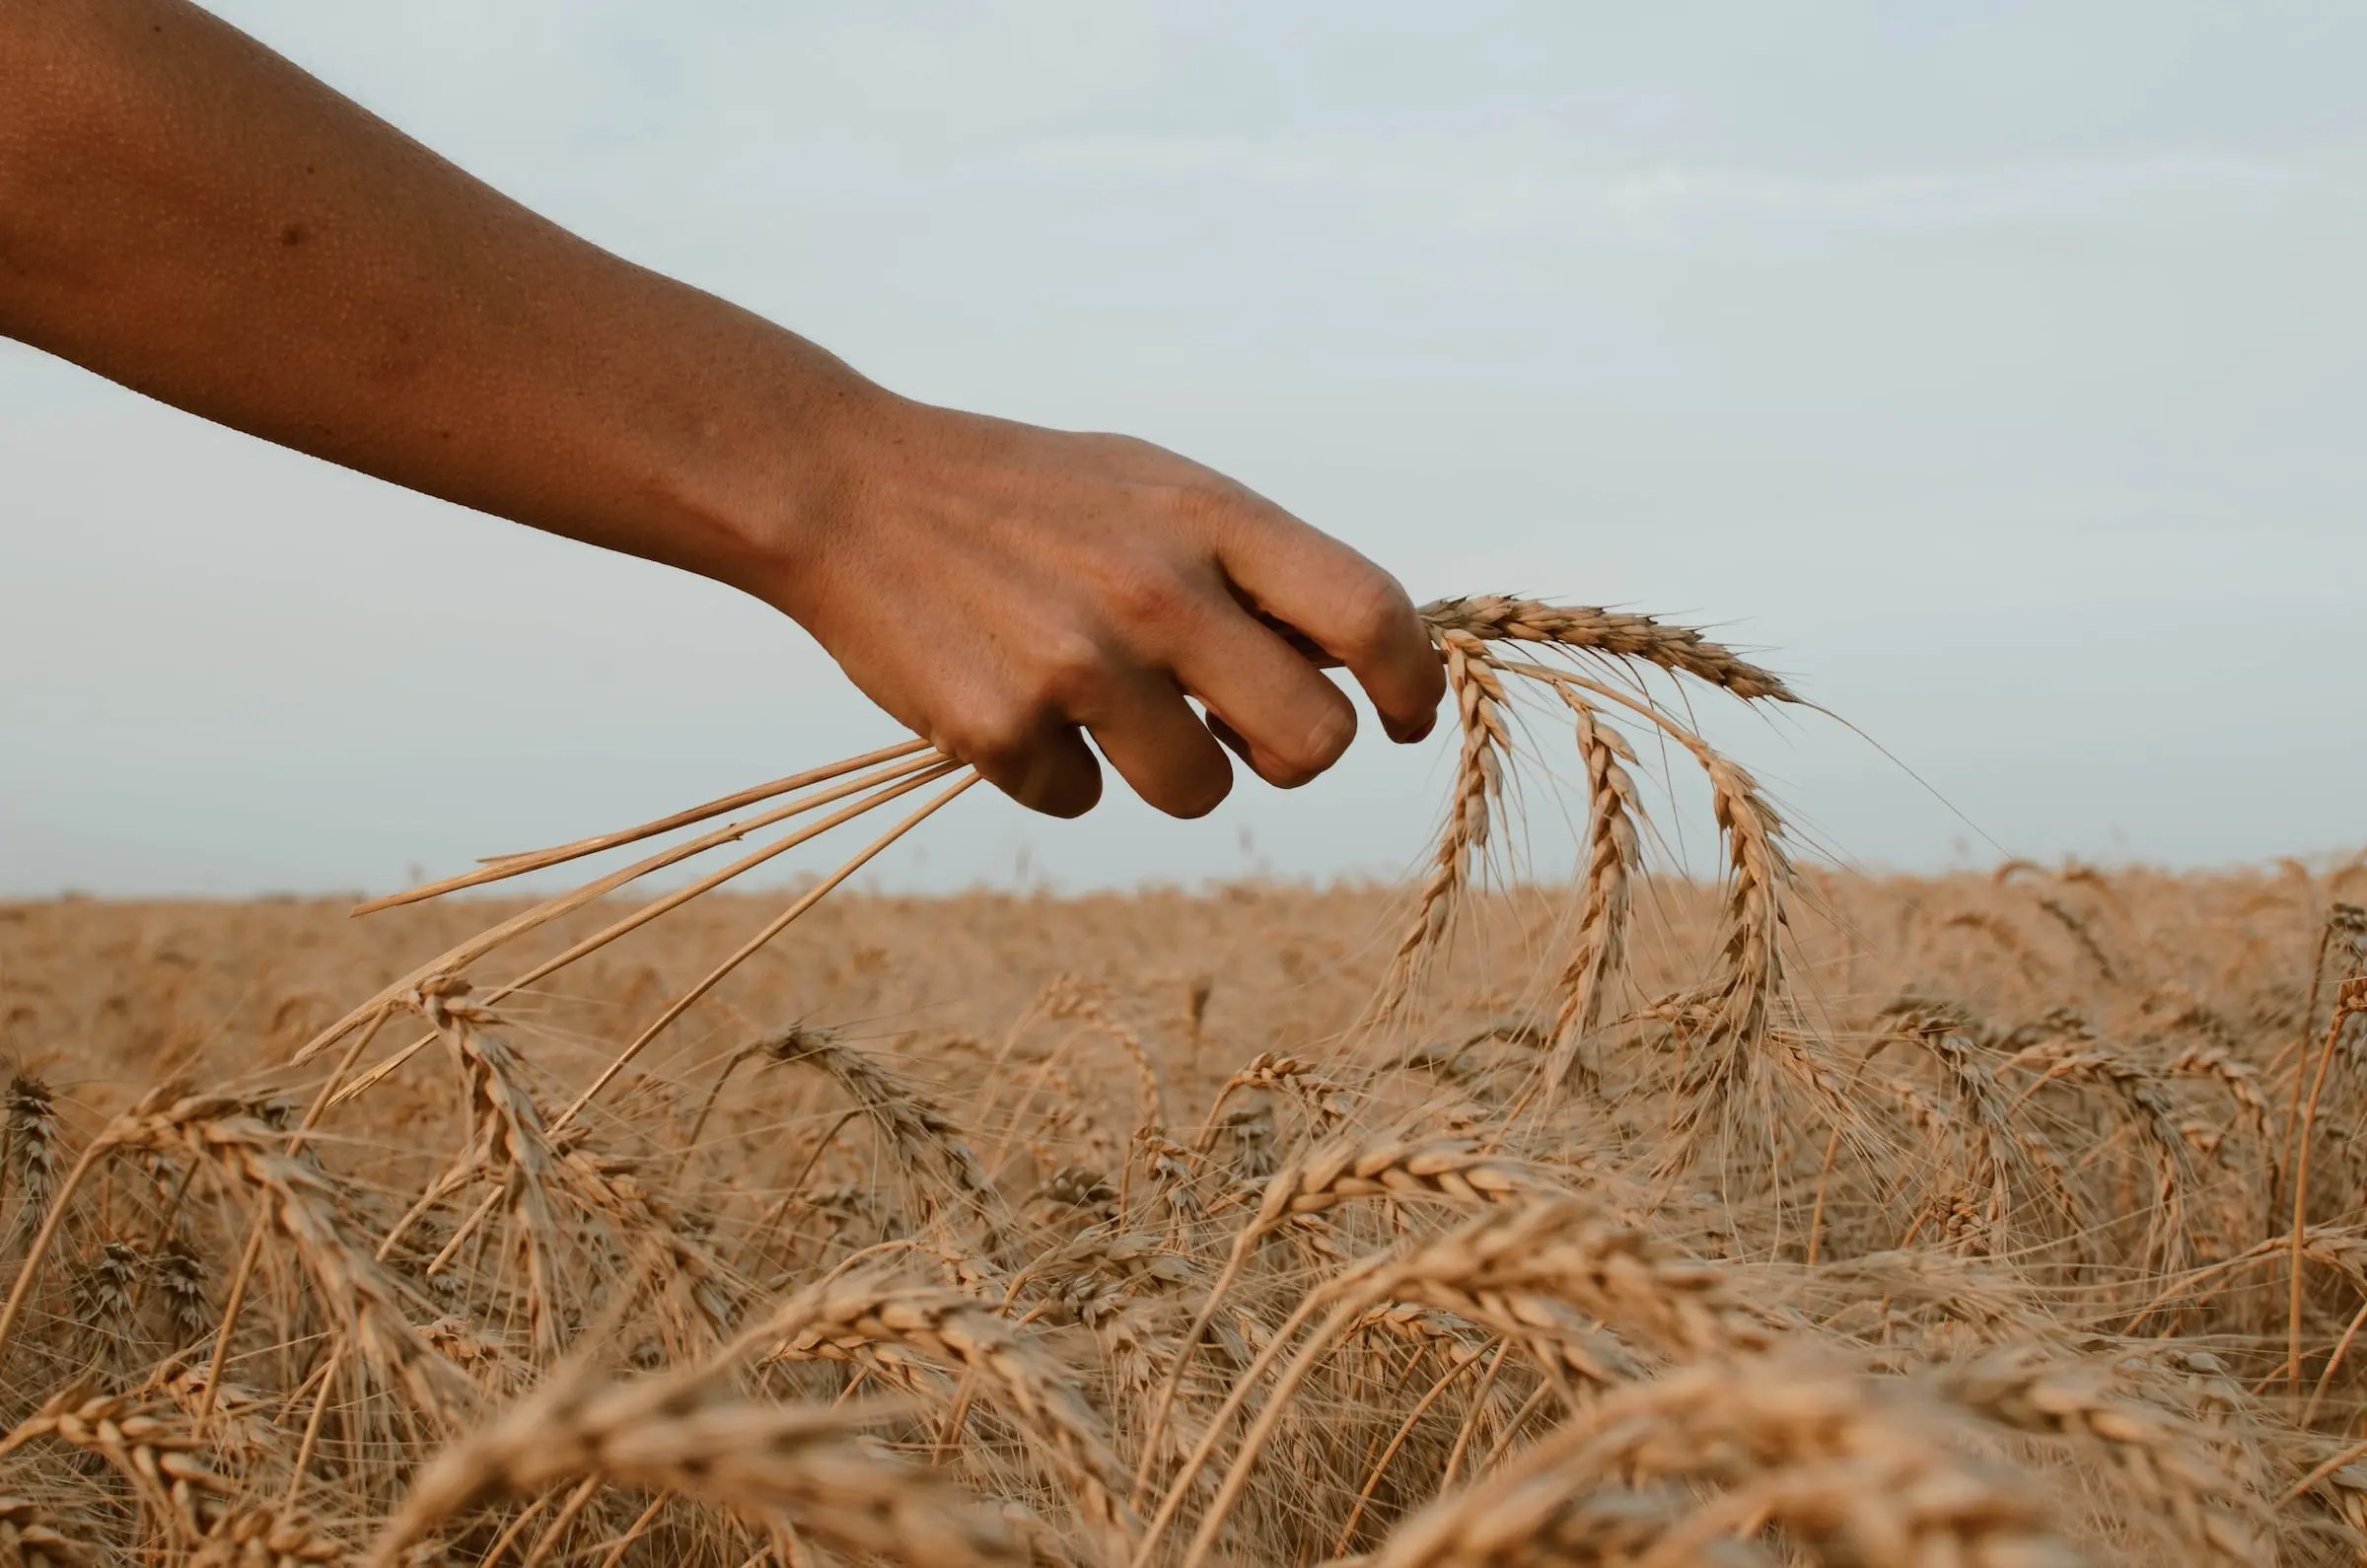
(1614, 855)
(1619, 635)
(1068, 997)
(1830, 1456)
(1517, 1269)
(1326, 1177)
(301, 1205)
(266, 1537)
(1486, 739)
(2349, 998)
(789, 1464)
(32, 1151)
(507, 1141)
(1323, 1100)
(1758, 875)
(1759, 878)
(870, 1320)
(916, 1126)
(28, 1536)
(149, 1444)
(2169, 1479)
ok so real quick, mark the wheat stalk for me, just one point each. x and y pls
(500, 868)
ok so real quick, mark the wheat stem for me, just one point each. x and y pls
(780, 923)
(498, 868)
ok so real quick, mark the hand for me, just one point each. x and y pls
(999, 588)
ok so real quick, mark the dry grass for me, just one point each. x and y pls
(1786, 1216)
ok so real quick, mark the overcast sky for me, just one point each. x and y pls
(1998, 371)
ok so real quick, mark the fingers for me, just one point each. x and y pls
(1265, 700)
(1311, 599)
(1345, 605)
(1151, 735)
(1022, 733)
(1133, 582)
(1040, 762)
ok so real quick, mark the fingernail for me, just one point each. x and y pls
(1418, 732)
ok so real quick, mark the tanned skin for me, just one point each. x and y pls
(189, 214)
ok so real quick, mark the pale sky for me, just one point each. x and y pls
(1998, 372)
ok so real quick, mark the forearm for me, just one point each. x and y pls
(192, 216)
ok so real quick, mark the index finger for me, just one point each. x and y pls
(1329, 596)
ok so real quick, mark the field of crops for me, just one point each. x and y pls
(1789, 1216)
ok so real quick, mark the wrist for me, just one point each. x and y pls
(773, 484)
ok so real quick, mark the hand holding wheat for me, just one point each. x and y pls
(1468, 637)
(1081, 584)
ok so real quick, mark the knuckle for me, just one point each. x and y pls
(991, 735)
(1208, 502)
(1070, 671)
(1371, 613)
(1150, 596)
(1133, 451)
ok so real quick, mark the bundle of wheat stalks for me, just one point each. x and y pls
(1782, 1217)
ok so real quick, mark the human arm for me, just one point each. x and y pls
(186, 213)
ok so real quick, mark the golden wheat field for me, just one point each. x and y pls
(1789, 1216)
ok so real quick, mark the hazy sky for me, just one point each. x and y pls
(2000, 371)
